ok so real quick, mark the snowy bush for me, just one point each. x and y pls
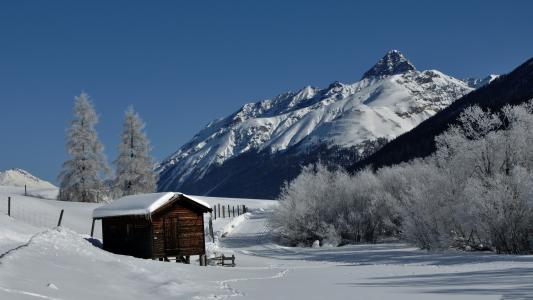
(333, 207)
(475, 192)
(492, 155)
(417, 200)
(503, 204)
(301, 214)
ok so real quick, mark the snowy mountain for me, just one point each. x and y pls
(391, 64)
(476, 83)
(19, 177)
(390, 99)
(513, 88)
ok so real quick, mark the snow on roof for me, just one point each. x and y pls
(142, 204)
(198, 200)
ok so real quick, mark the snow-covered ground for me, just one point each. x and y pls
(39, 261)
(41, 211)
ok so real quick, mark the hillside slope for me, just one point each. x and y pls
(19, 177)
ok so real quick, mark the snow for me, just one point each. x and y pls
(344, 115)
(18, 234)
(46, 262)
(42, 212)
(198, 200)
(251, 203)
(142, 204)
(19, 177)
(479, 82)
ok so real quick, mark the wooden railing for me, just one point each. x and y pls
(221, 260)
(227, 211)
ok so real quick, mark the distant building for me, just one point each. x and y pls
(157, 226)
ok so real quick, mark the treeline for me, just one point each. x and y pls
(474, 192)
(86, 176)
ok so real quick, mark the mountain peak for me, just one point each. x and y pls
(296, 127)
(394, 62)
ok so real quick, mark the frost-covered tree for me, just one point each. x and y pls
(81, 175)
(134, 167)
(333, 207)
(300, 217)
(483, 195)
(474, 192)
(503, 204)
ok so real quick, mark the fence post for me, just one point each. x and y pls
(211, 232)
(92, 227)
(233, 211)
(223, 212)
(215, 211)
(229, 216)
(9, 206)
(243, 209)
(219, 210)
(25, 191)
(60, 217)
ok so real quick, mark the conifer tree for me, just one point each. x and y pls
(80, 177)
(135, 173)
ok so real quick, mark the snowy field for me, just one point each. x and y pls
(40, 261)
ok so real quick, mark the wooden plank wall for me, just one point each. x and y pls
(141, 237)
(128, 235)
(190, 238)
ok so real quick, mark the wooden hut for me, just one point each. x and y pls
(157, 226)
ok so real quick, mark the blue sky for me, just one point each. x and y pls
(183, 63)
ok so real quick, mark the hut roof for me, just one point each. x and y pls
(142, 204)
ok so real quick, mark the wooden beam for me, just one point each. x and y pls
(92, 228)
(60, 217)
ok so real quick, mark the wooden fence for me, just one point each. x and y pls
(228, 211)
(19, 209)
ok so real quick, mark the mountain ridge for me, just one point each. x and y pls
(391, 99)
(513, 88)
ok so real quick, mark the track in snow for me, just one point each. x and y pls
(251, 233)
